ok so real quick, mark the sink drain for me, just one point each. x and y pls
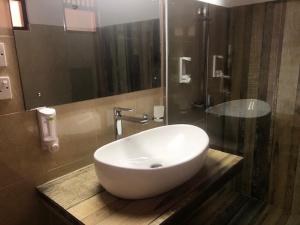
(156, 165)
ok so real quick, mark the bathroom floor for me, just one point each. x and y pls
(233, 208)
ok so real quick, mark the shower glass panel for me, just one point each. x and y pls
(187, 47)
(218, 79)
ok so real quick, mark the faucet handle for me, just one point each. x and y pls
(118, 110)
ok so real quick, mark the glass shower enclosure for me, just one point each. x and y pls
(217, 79)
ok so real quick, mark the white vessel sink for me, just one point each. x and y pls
(151, 162)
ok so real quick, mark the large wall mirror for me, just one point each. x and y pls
(74, 50)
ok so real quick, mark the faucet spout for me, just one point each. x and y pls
(118, 118)
(142, 120)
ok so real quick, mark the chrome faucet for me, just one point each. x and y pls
(118, 118)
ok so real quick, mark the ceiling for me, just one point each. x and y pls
(233, 3)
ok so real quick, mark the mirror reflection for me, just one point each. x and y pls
(85, 49)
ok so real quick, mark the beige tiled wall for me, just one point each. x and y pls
(82, 128)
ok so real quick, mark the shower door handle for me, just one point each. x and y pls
(184, 78)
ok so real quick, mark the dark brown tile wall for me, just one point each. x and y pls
(285, 172)
(266, 66)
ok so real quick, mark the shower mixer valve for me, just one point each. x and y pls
(184, 78)
(218, 73)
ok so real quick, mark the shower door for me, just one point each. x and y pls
(216, 81)
(197, 33)
(186, 62)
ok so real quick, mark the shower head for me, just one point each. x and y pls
(203, 12)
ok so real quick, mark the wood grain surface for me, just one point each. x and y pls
(79, 197)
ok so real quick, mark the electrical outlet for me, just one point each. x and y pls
(5, 88)
(3, 62)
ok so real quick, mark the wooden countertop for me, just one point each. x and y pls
(79, 197)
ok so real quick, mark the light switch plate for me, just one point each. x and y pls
(5, 88)
(3, 61)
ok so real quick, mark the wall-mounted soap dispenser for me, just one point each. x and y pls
(47, 125)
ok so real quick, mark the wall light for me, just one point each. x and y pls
(18, 14)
